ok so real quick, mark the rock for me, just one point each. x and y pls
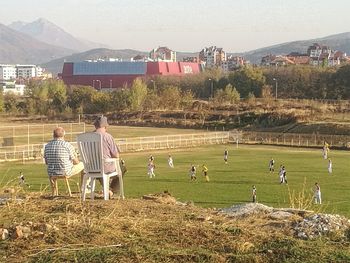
(280, 215)
(18, 232)
(4, 233)
(321, 225)
(38, 234)
(243, 210)
(203, 218)
(26, 231)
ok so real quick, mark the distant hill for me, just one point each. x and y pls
(16, 47)
(336, 42)
(47, 32)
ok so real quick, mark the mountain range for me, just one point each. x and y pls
(49, 33)
(20, 48)
(43, 42)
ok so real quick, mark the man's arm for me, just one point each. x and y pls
(75, 160)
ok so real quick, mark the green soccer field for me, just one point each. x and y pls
(229, 184)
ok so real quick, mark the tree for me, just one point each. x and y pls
(120, 99)
(227, 95)
(57, 96)
(10, 102)
(341, 83)
(37, 97)
(138, 95)
(266, 92)
(170, 98)
(80, 98)
(248, 80)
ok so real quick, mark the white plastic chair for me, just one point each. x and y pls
(91, 153)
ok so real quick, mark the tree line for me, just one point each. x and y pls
(52, 97)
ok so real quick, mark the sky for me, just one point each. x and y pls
(187, 25)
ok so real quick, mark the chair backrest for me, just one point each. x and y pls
(90, 148)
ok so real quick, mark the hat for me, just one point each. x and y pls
(101, 122)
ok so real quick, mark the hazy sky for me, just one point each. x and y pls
(187, 25)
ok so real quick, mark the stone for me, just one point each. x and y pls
(26, 231)
(4, 233)
(279, 215)
(18, 232)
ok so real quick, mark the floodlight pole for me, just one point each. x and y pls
(211, 87)
(276, 87)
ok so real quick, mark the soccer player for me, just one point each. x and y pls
(205, 173)
(225, 156)
(21, 178)
(193, 172)
(151, 168)
(170, 161)
(280, 173)
(254, 193)
(325, 150)
(284, 173)
(271, 165)
(317, 194)
(330, 166)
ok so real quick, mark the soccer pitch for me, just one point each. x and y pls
(229, 183)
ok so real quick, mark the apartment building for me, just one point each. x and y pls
(28, 71)
(317, 55)
(163, 54)
(212, 56)
(8, 72)
(11, 72)
(232, 63)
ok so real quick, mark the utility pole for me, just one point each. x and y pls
(276, 87)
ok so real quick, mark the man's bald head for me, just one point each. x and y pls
(58, 132)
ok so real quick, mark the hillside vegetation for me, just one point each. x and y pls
(156, 228)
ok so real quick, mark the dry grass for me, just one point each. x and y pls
(155, 229)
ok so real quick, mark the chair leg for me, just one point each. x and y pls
(121, 186)
(83, 190)
(68, 187)
(92, 184)
(106, 187)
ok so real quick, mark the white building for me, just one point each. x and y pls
(12, 87)
(28, 71)
(11, 72)
(163, 54)
(7, 72)
(212, 56)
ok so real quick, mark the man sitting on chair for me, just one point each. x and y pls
(110, 150)
(61, 158)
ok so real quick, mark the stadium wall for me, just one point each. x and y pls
(116, 74)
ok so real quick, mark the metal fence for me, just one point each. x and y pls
(295, 139)
(35, 151)
(29, 134)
